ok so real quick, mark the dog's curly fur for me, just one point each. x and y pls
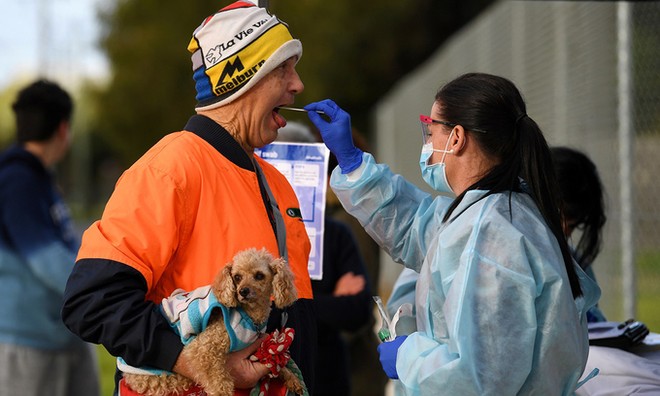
(247, 281)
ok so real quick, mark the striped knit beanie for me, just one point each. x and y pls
(234, 48)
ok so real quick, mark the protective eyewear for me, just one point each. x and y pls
(426, 121)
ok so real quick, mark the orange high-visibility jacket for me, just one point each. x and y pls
(182, 211)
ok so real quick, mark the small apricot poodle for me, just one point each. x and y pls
(248, 282)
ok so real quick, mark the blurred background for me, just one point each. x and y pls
(588, 71)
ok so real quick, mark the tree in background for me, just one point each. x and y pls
(7, 128)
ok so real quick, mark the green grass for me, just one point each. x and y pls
(107, 371)
(648, 286)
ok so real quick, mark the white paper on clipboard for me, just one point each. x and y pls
(305, 165)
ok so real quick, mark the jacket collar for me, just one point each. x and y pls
(218, 137)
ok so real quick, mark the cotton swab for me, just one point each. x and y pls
(299, 109)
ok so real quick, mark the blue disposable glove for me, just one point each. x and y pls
(336, 133)
(388, 352)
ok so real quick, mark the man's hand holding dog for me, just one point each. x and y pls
(245, 372)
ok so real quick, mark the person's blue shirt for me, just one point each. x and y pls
(38, 248)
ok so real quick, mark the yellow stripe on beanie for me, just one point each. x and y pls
(233, 73)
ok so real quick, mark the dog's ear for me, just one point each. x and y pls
(284, 290)
(225, 289)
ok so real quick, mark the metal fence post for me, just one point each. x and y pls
(626, 157)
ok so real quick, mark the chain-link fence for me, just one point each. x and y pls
(589, 74)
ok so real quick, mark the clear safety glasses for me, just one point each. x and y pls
(426, 121)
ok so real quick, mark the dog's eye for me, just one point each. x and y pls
(237, 278)
(259, 276)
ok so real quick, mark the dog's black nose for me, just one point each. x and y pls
(244, 292)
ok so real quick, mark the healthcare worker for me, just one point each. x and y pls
(500, 304)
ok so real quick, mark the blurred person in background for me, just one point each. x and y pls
(583, 208)
(38, 245)
(621, 372)
(194, 200)
(501, 305)
(342, 298)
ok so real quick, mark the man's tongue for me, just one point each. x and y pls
(279, 120)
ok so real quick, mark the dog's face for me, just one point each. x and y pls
(252, 277)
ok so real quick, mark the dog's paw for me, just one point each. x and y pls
(292, 383)
(296, 388)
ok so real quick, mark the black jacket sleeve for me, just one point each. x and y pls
(104, 303)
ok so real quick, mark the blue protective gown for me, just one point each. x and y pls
(494, 309)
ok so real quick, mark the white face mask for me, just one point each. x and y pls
(435, 175)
